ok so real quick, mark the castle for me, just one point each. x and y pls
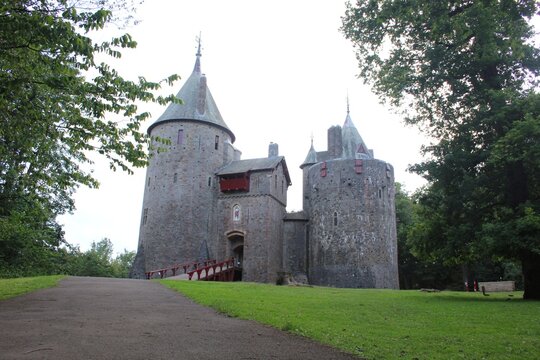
(202, 201)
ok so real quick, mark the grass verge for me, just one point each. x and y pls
(18, 286)
(385, 324)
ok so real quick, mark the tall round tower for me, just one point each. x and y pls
(352, 219)
(180, 195)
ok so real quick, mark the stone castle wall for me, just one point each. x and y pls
(295, 246)
(261, 212)
(180, 197)
(352, 224)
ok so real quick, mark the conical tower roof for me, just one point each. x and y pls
(197, 102)
(354, 146)
(311, 157)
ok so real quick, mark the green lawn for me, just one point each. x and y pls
(18, 286)
(385, 324)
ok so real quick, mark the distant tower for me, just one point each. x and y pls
(181, 190)
(349, 201)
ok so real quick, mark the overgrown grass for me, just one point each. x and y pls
(14, 287)
(385, 324)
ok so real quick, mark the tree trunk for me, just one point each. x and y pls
(531, 275)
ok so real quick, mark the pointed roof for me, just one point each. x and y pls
(197, 102)
(353, 145)
(311, 157)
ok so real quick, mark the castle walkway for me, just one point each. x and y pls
(103, 318)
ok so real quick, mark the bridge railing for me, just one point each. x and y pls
(174, 270)
(225, 273)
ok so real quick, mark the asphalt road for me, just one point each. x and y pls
(100, 318)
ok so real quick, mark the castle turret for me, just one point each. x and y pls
(352, 234)
(181, 190)
(311, 159)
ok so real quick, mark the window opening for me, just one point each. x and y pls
(180, 139)
(216, 145)
(323, 169)
(236, 213)
(175, 179)
(209, 181)
(380, 193)
(335, 218)
(145, 216)
(358, 166)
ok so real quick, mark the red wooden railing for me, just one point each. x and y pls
(226, 274)
(187, 267)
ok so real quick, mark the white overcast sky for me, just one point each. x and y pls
(279, 71)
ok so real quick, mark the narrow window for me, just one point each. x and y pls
(145, 216)
(323, 169)
(281, 186)
(216, 145)
(209, 181)
(335, 218)
(380, 193)
(149, 181)
(275, 182)
(175, 177)
(236, 213)
(180, 139)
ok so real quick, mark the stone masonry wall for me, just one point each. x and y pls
(261, 223)
(352, 225)
(180, 198)
(295, 245)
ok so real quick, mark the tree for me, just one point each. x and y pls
(464, 72)
(58, 104)
(415, 269)
(121, 265)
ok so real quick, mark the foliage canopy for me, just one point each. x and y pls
(465, 72)
(58, 103)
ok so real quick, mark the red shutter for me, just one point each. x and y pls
(358, 166)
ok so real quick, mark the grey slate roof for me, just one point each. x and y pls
(311, 157)
(353, 144)
(198, 103)
(251, 165)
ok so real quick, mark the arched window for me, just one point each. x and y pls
(236, 213)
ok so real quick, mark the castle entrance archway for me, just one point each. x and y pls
(236, 249)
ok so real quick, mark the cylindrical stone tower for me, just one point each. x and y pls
(352, 240)
(180, 196)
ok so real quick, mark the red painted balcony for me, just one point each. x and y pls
(239, 182)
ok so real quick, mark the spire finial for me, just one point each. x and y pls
(197, 67)
(198, 38)
(312, 139)
(347, 102)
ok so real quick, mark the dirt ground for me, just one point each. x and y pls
(101, 318)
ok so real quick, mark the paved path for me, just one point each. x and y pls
(99, 318)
